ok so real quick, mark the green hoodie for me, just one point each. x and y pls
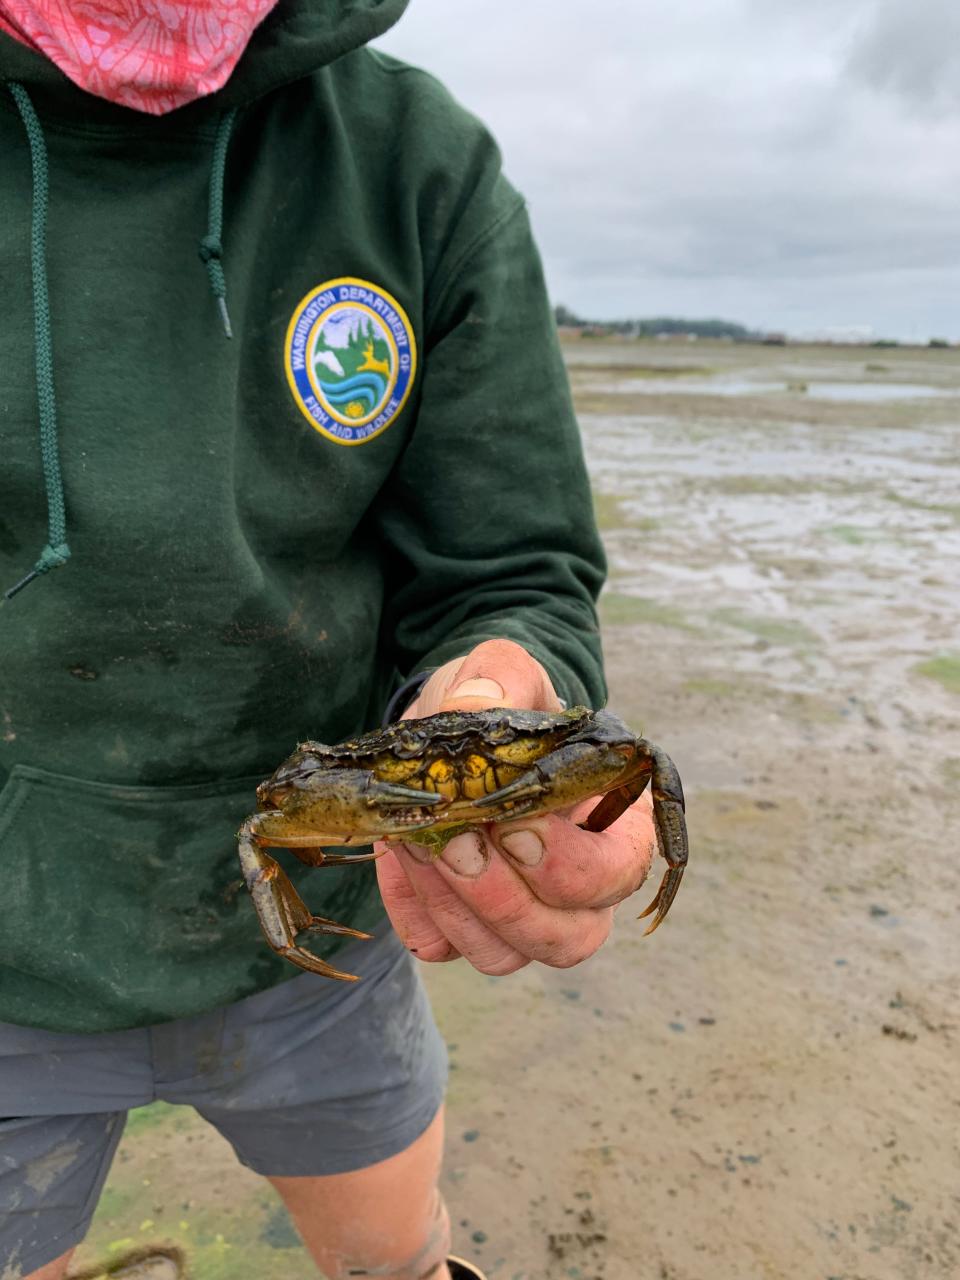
(380, 470)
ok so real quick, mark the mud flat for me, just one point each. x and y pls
(768, 1088)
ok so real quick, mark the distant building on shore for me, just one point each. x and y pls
(663, 328)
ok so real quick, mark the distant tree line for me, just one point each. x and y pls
(649, 328)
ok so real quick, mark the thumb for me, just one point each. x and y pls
(499, 673)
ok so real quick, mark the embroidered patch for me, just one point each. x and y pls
(351, 358)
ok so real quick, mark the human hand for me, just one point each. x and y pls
(511, 892)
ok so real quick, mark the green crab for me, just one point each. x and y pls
(426, 780)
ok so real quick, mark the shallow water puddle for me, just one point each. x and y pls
(862, 392)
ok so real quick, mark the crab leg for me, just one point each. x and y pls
(554, 782)
(315, 842)
(280, 909)
(668, 820)
(668, 811)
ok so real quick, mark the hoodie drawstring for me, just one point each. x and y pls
(56, 552)
(211, 246)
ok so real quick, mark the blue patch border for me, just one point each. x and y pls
(310, 312)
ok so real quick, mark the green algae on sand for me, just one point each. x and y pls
(945, 669)
(617, 609)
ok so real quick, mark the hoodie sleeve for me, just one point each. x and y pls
(488, 517)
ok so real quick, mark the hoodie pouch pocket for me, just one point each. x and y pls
(123, 905)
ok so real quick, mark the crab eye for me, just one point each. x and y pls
(409, 744)
(297, 772)
(304, 775)
(499, 731)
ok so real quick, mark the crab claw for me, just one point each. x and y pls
(529, 787)
(393, 795)
(665, 896)
(281, 911)
(557, 781)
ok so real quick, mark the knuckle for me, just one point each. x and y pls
(614, 899)
(501, 647)
(434, 951)
(498, 965)
(568, 959)
(570, 956)
(509, 912)
(580, 945)
(633, 879)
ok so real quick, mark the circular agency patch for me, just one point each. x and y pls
(351, 358)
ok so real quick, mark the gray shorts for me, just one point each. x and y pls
(311, 1077)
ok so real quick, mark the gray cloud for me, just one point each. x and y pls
(752, 157)
(912, 50)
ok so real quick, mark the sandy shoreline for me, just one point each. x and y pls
(767, 1089)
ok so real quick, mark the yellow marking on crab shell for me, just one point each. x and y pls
(390, 769)
(523, 751)
(506, 773)
(450, 790)
(474, 770)
(442, 778)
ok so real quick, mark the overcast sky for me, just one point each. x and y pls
(792, 164)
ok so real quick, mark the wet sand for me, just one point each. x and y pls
(767, 1088)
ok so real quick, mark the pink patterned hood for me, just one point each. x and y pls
(150, 55)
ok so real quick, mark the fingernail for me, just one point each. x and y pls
(479, 688)
(466, 855)
(419, 852)
(524, 846)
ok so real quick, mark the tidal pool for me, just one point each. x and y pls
(857, 392)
